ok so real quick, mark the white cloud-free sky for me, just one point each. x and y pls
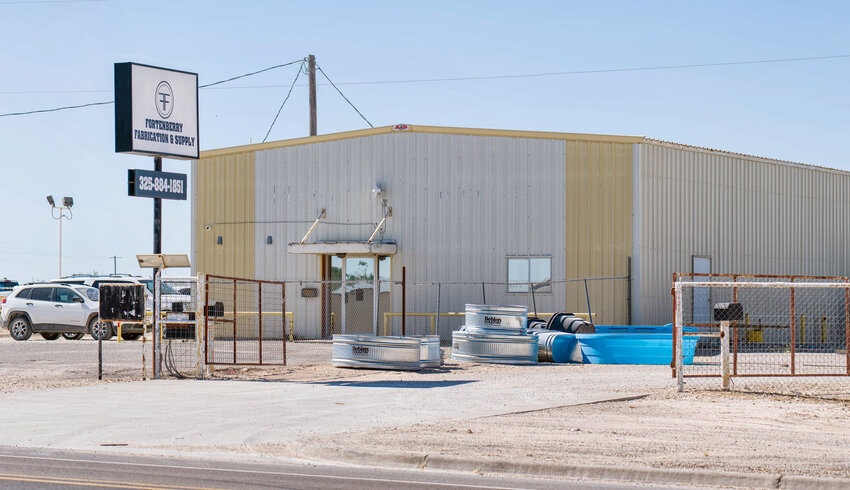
(57, 53)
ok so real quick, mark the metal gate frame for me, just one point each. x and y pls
(235, 320)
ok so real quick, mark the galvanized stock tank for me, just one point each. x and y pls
(429, 353)
(497, 349)
(509, 319)
(396, 353)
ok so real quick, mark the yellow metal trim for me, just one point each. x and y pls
(297, 141)
(511, 133)
(506, 133)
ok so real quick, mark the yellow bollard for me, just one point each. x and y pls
(802, 329)
(119, 332)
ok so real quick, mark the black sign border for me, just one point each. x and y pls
(124, 112)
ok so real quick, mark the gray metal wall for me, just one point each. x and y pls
(461, 204)
(750, 215)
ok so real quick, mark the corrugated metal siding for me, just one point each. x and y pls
(749, 215)
(224, 190)
(599, 226)
(461, 205)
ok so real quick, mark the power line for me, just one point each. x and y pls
(27, 2)
(63, 108)
(343, 96)
(250, 74)
(284, 101)
(432, 80)
(39, 111)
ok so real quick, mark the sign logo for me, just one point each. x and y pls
(164, 99)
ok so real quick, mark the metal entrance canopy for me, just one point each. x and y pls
(384, 247)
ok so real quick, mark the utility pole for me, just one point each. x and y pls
(115, 263)
(311, 71)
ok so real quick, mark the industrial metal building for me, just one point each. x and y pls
(477, 205)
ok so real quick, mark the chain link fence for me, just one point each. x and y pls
(319, 309)
(791, 338)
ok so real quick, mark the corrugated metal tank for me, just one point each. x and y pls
(750, 215)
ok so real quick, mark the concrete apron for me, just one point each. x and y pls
(170, 414)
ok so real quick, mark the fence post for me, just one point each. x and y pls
(437, 329)
(234, 321)
(200, 331)
(376, 294)
(629, 288)
(724, 353)
(283, 318)
(403, 300)
(587, 297)
(260, 319)
(534, 300)
(793, 331)
(678, 329)
(483, 294)
(676, 324)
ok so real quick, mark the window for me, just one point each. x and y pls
(41, 294)
(527, 272)
(64, 295)
(24, 294)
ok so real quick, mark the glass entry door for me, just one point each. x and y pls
(352, 301)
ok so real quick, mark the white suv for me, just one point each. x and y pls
(50, 310)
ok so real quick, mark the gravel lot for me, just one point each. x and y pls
(705, 429)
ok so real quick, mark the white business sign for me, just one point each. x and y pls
(156, 111)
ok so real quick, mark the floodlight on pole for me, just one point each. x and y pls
(67, 202)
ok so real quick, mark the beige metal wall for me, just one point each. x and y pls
(599, 226)
(223, 194)
(750, 215)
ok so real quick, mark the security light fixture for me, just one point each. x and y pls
(67, 202)
(218, 240)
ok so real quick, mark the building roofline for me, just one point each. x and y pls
(506, 133)
(760, 159)
(415, 128)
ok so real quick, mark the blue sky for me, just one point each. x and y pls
(62, 53)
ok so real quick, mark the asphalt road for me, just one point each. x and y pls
(45, 469)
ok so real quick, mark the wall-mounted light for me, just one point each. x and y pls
(269, 240)
(376, 192)
(208, 227)
(218, 241)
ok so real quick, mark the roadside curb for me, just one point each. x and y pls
(424, 461)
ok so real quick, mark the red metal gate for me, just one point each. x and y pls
(245, 321)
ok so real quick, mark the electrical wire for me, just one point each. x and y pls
(250, 74)
(432, 80)
(39, 111)
(63, 108)
(298, 74)
(343, 96)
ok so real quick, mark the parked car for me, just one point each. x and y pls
(172, 299)
(51, 310)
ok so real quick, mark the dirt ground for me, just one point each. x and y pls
(705, 430)
(712, 430)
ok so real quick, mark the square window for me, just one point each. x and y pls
(527, 272)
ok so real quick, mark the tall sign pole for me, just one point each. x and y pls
(311, 71)
(157, 249)
(156, 114)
